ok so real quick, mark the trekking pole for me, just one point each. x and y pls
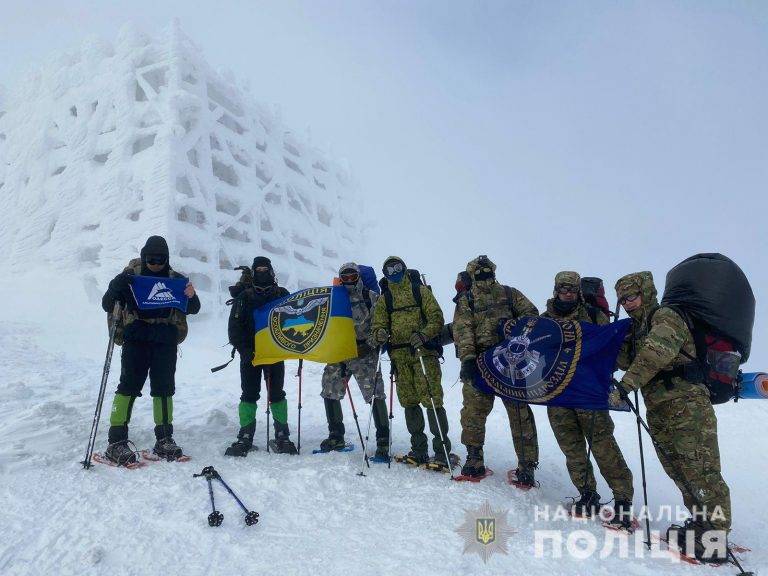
(391, 416)
(370, 417)
(251, 517)
(301, 369)
(434, 410)
(357, 423)
(642, 472)
(267, 380)
(662, 452)
(103, 386)
(215, 518)
(589, 449)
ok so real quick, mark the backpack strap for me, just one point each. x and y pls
(592, 311)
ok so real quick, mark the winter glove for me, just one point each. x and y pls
(418, 340)
(623, 388)
(381, 336)
(468, 370)
(120, 286)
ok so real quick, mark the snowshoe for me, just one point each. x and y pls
(240, 447)
(438, 463)
(119, 454)
(283, 445)
(587, 506)
(413, 459)
(474, 467)
(522, 478)
(346, 448)
(464, 478)
(381, 455)
(688, 541)
(166, 448)
(621, 519)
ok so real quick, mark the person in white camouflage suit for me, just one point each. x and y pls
(363, 368)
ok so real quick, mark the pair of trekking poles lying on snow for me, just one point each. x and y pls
(215, 518)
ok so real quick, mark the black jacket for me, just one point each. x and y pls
(245, 301)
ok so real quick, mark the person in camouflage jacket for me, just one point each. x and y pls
(363, 368)
(405, 331)
(477, 317)
(680, 416)
(572, 426)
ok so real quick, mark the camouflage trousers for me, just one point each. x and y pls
(683, 423)
(572, 429)
(363, 369)
(474, 413)
(411, 385)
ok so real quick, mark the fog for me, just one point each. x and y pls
(602, 137)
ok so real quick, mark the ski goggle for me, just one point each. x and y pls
(394, 268)
(629, 298)
(261, 269)
(349, 277)
(567, 289)
(156, 260)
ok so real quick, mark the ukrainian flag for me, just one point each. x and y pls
(314, 324)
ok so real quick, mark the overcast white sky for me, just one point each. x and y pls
(605, 137)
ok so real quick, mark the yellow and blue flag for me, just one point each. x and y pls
(314, 324)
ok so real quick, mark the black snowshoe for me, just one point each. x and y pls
(244, 442)
(282, 443)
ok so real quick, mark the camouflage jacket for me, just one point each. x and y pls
(580, 313)
(406, 317)
(478, 313)
(653, 348)
(362, 311)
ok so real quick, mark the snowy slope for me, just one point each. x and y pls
(317, 514)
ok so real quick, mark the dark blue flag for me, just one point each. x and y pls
(151, 292)
(554, 362)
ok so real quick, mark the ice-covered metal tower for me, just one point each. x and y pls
(105, 146)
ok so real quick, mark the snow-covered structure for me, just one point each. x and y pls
(103, 147)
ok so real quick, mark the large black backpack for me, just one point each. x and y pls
(712, 294)
(593, 292)
(416, 283)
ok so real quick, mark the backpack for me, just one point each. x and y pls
(593, 291)
(127, 316)
(368, 274)
(713, 296)
(416, 284)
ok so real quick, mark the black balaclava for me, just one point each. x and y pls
(263, 279)
(154, 246)
(562, 307)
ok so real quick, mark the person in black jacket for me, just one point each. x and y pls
(150, 341)
(255, 289)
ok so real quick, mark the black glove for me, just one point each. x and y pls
(468, 370)
(363, 349)
(120, 287)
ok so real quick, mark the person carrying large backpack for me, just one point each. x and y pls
(661, 359)
(256, 288)
(363, 368)
(572, 426)
(476, 320)
(150, 340)
(407, 320)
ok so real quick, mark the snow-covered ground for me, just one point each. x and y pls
(317, 514)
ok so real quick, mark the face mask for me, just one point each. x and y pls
(396, 278)
(564, 307)
(263, 278)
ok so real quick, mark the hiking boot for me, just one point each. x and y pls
(587, 506)
(167, 448)
(622, 516)
(693, 539)
(332, 443)
(282, 443)
(415, 459)
(438, 462)
(120, 453)
(474, 466)
(244, 442)
(382, 452)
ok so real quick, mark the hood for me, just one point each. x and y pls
(641, 282)
(477, 265)
(351, 266)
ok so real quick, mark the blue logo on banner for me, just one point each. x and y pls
(151, 292)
